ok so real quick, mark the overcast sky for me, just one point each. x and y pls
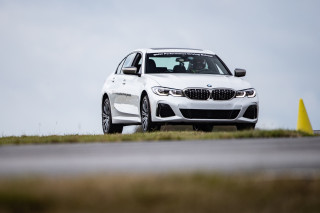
(56, 55)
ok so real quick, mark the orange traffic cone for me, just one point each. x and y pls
(303, 123)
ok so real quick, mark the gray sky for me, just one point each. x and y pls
(56, 55)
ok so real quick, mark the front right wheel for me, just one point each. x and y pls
(107, 126)
(147, 124)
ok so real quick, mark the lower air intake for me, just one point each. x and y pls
(251, 112)
(209, 114)
(164, 111)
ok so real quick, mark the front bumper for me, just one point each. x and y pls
(239, 109)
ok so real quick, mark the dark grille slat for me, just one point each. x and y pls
(197, 94)
(222, 94)
(209, 114)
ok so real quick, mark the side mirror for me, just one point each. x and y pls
(129, 70)
(239, 72)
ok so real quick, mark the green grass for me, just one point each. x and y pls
(163, 193)
(154, 136)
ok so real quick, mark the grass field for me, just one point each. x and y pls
(165, 193)
(146, 193)
(154, 136)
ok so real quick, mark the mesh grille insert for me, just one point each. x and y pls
(197, 94)
(223, 94)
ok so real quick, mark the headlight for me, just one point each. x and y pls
(240, 94)
(163, 91)
(250, 93)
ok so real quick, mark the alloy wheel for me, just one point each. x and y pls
(106, 116)
(145, 114)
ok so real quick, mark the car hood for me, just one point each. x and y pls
(182, 81)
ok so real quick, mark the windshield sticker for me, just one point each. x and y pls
(173, 53)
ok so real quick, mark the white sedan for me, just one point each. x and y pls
(157, 86)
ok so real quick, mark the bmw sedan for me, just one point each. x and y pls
(157, 86)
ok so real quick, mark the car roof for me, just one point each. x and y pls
(177, 50)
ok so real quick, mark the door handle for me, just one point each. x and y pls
(113, 80)
(124, 81)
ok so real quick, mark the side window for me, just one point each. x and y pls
(118, 71)
(129, 59)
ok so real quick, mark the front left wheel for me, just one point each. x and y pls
(147, 124)
(107, 126)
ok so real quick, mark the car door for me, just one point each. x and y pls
(132, 87)
(114, 83)
(122, 113)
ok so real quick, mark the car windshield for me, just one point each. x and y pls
(193, 63)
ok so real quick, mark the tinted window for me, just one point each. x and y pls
(193, 63)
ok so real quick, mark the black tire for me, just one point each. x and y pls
(203, 127)
(145, 111)
(245, 126)
(107, 126)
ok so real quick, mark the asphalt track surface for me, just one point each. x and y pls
(287, 155)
